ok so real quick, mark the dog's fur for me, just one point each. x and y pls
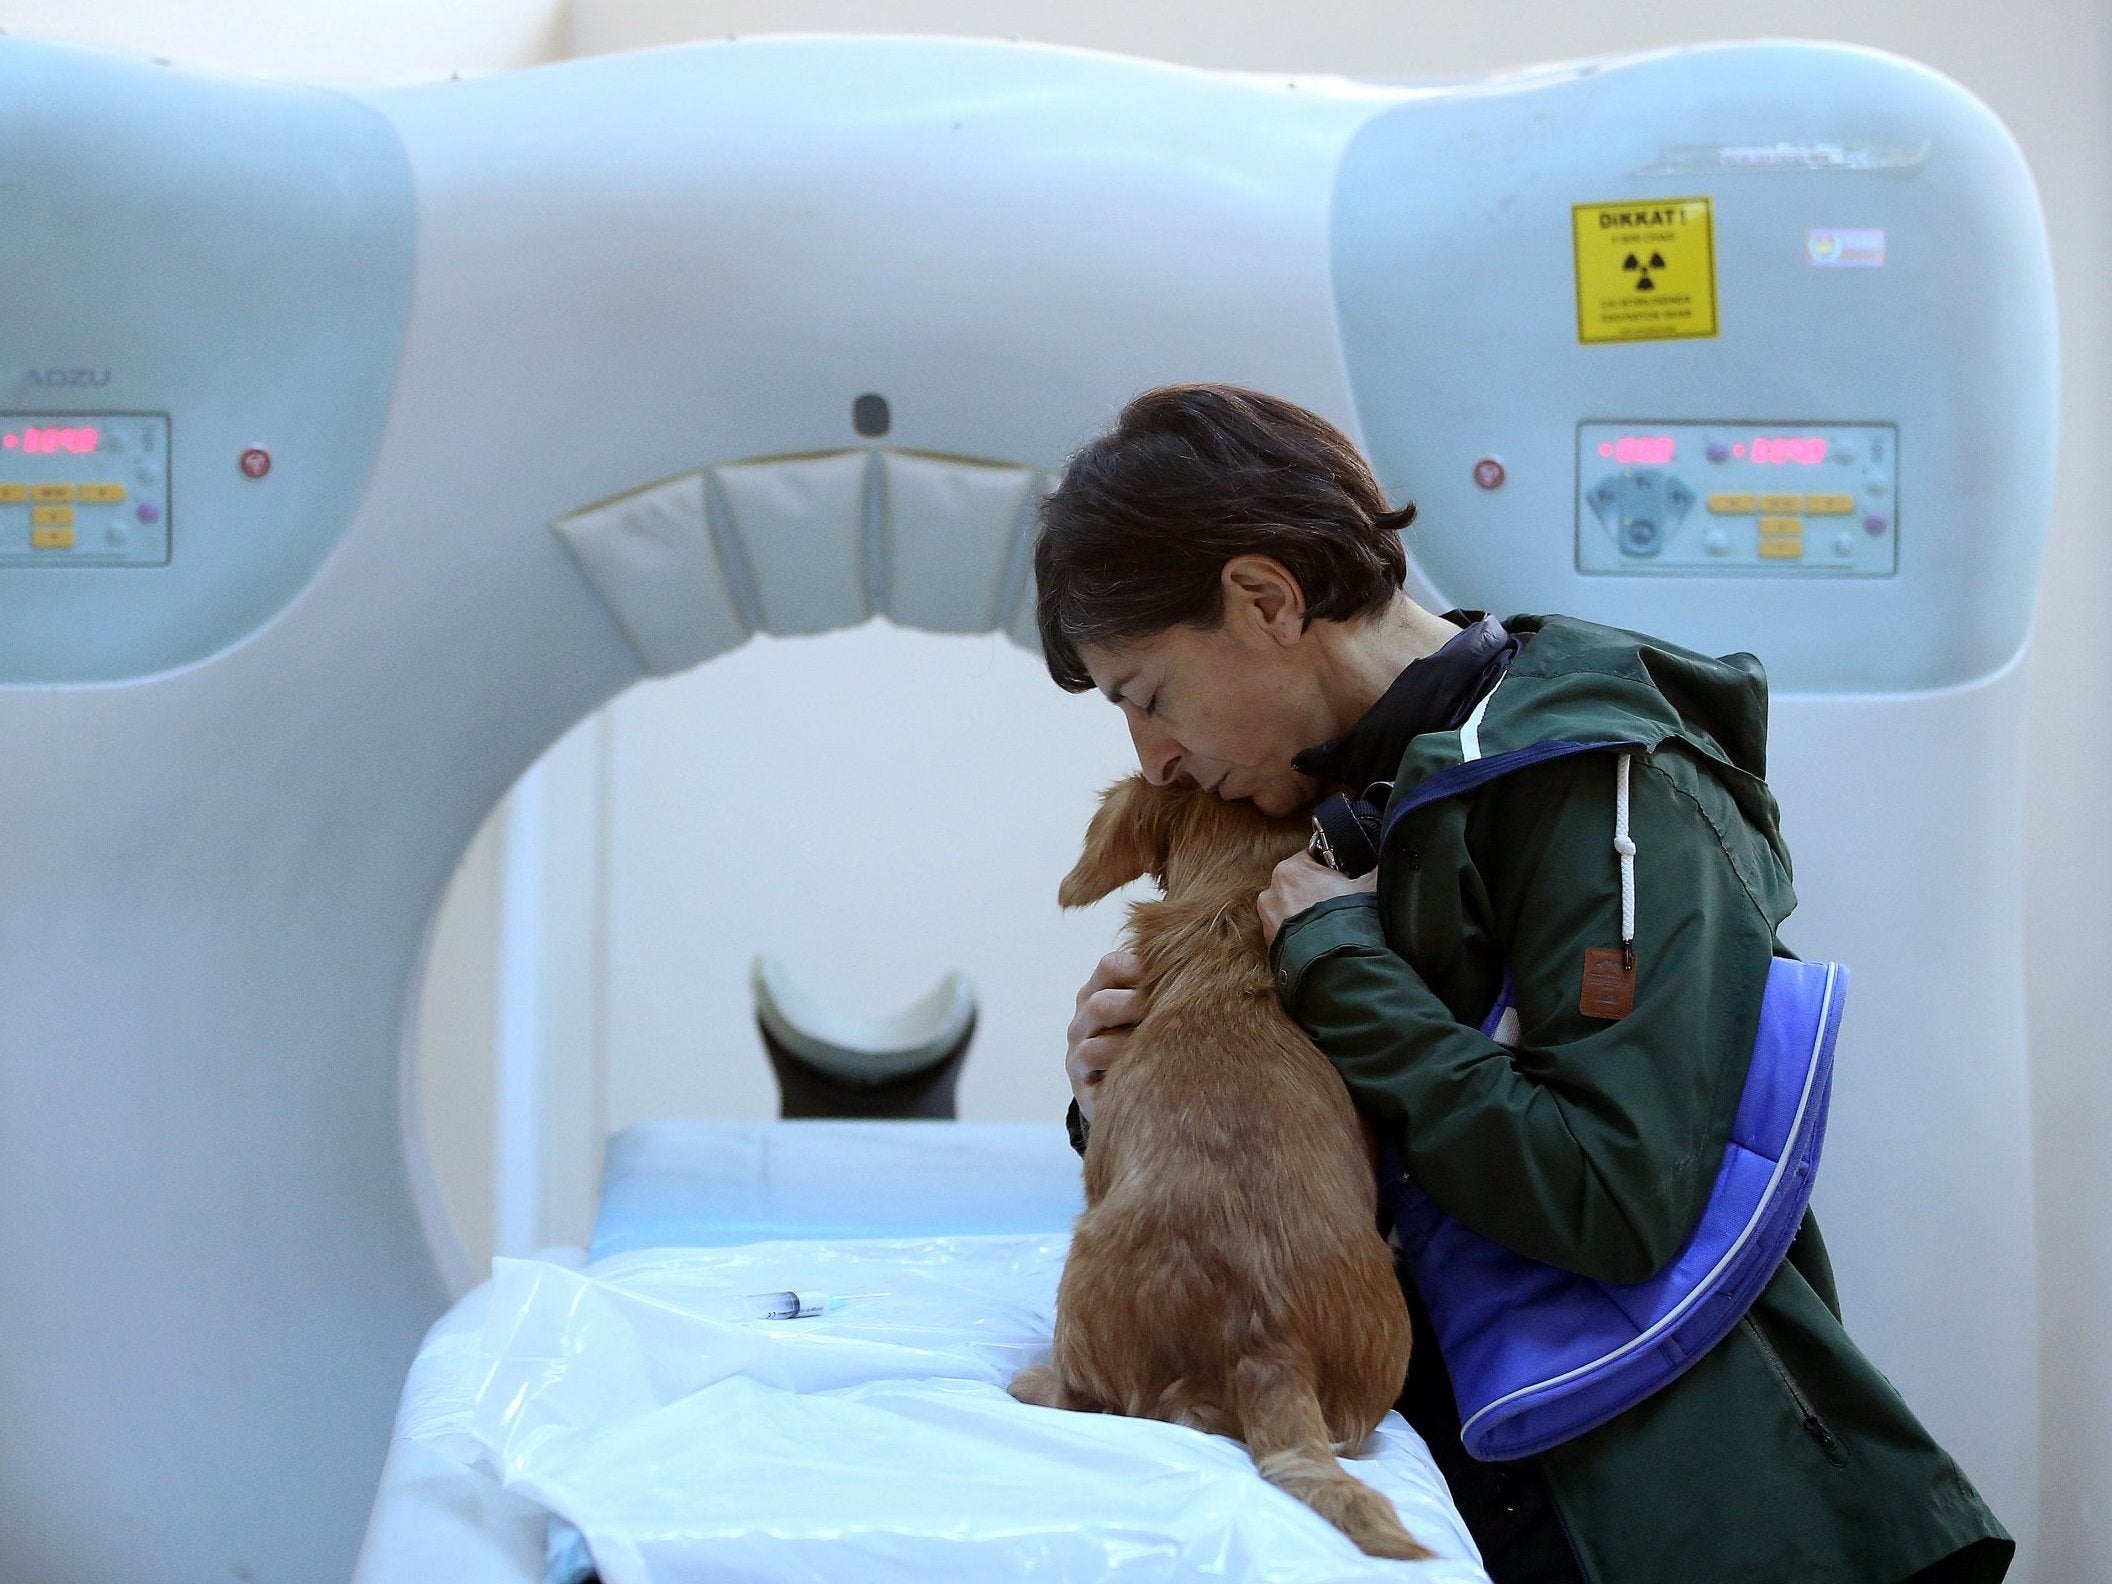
(1226, 1274)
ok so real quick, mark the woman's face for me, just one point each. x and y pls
(1228, 707)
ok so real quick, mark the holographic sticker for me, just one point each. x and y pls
(1834, 247)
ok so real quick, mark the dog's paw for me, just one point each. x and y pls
(1038, 1387)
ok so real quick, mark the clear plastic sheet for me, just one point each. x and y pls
(871, 1443)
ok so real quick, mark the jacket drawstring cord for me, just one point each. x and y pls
(1625, 846)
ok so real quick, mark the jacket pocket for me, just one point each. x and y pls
(1807, 1415)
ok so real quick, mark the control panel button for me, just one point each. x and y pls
(51, 538)
(1782, 503)
(1782, 549)
(1777, 527)
(1718, 542)
(1641, 507)
(1875, 484)
(1717, 451)
(51, 516)
(1844, 544)
(1639, 536)
(1828, 505)
(1731, 505)
(102, 494)
(1876, 523)
(51, 492)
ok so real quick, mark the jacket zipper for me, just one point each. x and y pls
(1814, 1426)
(1554, 1506)
(1415, 897)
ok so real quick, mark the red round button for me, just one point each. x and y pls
(1488, 473)
(256, 462)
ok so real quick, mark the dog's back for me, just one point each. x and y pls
(1227, 1273)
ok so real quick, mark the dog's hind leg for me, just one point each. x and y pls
(1284, 1429)
(1039, 1386)
(1180, 1403)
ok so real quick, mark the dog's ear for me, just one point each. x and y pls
(1127, 838)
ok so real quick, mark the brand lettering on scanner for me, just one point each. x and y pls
(1849, 157)
(63, 376)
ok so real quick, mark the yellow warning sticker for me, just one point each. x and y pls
(1646, 270)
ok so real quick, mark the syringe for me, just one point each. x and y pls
(799, 1305)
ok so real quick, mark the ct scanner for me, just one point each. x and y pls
(359, 442)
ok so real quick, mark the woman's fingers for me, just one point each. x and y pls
(1090, 1058)
(1108, 1009)
(1113, 971)
(1297, 884)
(1087, 1064)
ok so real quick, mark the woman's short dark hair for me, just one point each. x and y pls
(1135, 539)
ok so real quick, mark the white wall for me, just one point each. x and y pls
(872, 807)
(366, 41)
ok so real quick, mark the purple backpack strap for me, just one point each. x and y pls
(1539, 1355)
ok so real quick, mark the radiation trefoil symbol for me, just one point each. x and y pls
(1643, 282)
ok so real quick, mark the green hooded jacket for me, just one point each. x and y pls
(1783, 1454)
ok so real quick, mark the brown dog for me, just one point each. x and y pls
(1226, 1274)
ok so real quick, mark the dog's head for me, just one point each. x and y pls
(1182, 836)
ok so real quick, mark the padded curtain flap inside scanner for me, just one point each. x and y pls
(1016, 609)
(801, 524)
(649, 555)
(951, 529)
(1021, 628)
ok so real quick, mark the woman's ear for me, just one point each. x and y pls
(1265, 590)
(1128, 837)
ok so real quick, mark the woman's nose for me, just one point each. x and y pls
(1158, 753)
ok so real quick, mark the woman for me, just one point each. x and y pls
(1223, 567)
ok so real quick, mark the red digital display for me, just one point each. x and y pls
(50, 440)
(1803, 450)
(1639, 448)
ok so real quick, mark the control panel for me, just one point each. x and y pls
(1760, 499)
(84, 489)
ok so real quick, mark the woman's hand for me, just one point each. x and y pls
(1109, 1007)
(1300, 881)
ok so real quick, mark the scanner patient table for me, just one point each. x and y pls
(874, 1442)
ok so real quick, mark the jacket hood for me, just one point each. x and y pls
(1580, 670)
(1577, 686)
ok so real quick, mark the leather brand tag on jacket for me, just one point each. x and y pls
(1609, 984)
